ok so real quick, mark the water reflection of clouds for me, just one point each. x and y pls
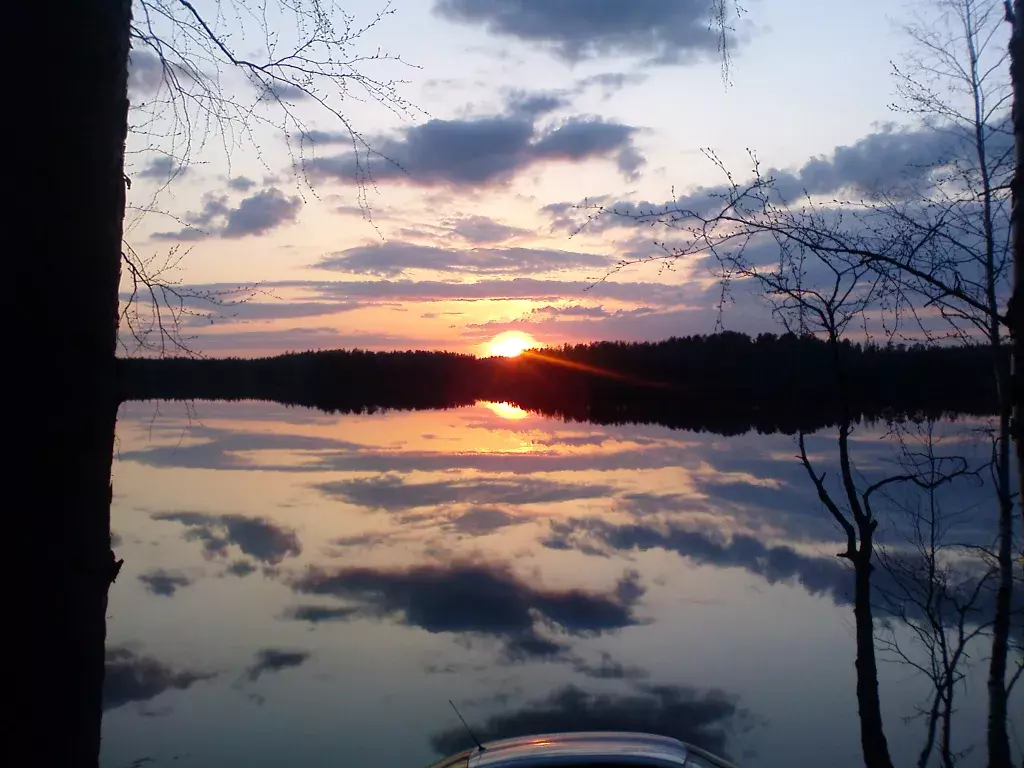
(260, 538)
(222, 449)
(530, 622)
(392, 493)
(750, 484)
(270, 660)
(703, 718)
(817, 573)
(130, 676)
(413, 535)
(773, 563)
(485, 598)
(480, 521)
(163, 582)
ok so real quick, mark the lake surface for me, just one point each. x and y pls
(308, 589)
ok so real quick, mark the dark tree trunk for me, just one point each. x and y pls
(1015, 311)
(997, 733)
(998, 736)
(874, 745)
(946, 753)
(1011, 411)
(872, 733)
(929, 738)
(72, 107)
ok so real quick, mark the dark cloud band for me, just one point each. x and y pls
(576, 30)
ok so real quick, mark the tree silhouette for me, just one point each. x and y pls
(932, 256)
(727, 383)
(936, 589)
(78, 98)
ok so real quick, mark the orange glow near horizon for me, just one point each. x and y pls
(510, 344)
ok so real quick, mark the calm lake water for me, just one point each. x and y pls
(309, 589)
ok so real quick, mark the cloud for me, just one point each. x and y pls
(480, 521)
(643, 503)
(533, 104)
(774, 563)
(822, 575)
(571, 217)
(206, 313)
(255, 536)
(467, 153)
(240, 568)
(751, 484)
(166, 583)
(702, 718)
(162, 168)
(392, 259)
(536, 648)
(880, 161)
(483, 151)
(531, 647)
(483, 230)
(149, 72)
(573, 310)
(656, 293)
(327, 137)
(360, 540)
(261, 213)
(226, 449)
(899, 161)
(274, 342)
(241, 183)
(640, 324)
(485, 599)
(391, 493)
(316, 614)
(576, 30)
(285, 92)
(220, 449)
(130, 677)
(608, 669)
(232, 450)
(579, 138)
(271, 660)
(221, 442)
(255, 215)
(610, 82)
(516, 288)
(145, 72)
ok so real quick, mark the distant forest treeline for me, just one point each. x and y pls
(726, 382)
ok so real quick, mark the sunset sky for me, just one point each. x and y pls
(516, 117)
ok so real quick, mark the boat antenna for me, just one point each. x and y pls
(469, 730)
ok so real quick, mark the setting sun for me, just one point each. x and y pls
(510, 344)
(505, 410)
